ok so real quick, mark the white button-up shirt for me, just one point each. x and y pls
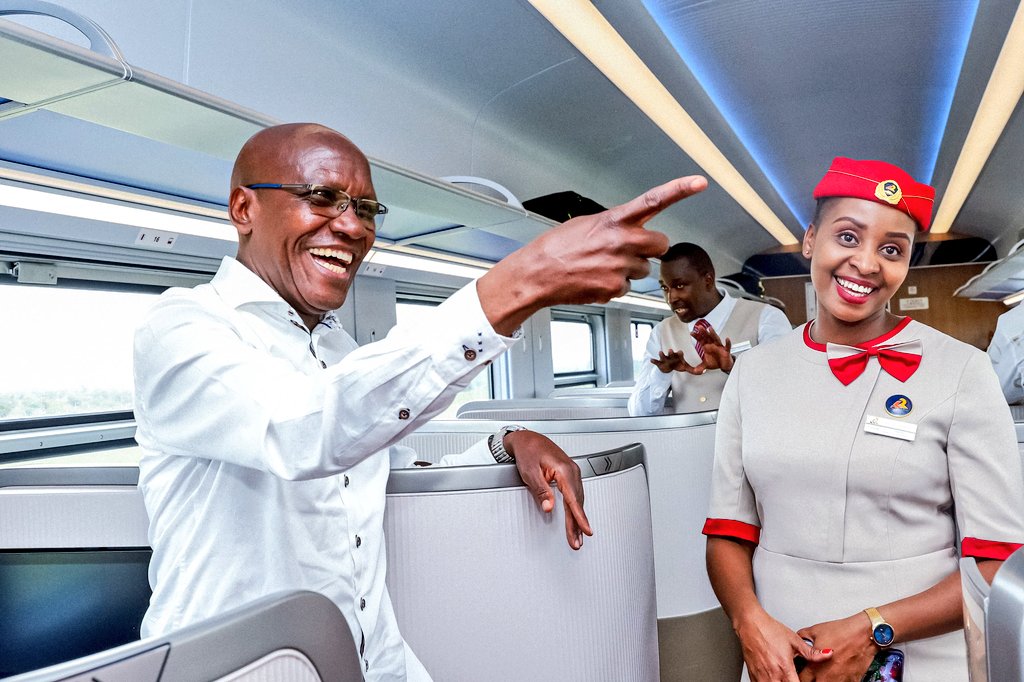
(651, 388)
(267, 447)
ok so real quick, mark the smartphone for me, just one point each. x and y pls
(887, 666)
(799, 662)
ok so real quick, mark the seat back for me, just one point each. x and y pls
(74, 562)
(618, 389)
(696, 640)
(1004, 622)
(74, 586)
(543, 409)
(297, 636)
(486, 587)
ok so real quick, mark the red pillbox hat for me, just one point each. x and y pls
(878, 181)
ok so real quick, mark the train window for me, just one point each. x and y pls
(639, 333)
(415, 311)
(574, 349)
(67, 350)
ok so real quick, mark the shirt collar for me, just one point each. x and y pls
(888, 336)
(719, 314)
(239, 286)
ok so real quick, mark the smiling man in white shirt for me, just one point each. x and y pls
(268, 434)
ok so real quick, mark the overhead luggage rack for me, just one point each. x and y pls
(45, 74)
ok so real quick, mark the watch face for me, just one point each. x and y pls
(883, 634)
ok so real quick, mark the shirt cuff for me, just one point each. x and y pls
(987, 549)
(478, 453)
(732, 529)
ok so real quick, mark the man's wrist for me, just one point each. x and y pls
(507, 295)
(497, 445)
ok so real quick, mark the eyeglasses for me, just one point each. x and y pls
(330, 202)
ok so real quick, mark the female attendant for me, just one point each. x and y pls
(857, 459)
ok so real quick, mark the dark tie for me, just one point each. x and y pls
(900, 360)
(700, 326)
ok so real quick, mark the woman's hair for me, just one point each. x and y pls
(818, 208)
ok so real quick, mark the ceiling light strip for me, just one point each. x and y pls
(94, 209)
(1004, 90)
(1014, 298)
(586, 28)
(53, 182)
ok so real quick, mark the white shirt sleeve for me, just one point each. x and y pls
(652, 385)
(772, 324)
(478, 453)
(204, 391)
(1005, 354)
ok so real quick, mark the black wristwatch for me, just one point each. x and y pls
(882, 633)
(496, 442)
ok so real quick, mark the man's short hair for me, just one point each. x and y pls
(698, 257)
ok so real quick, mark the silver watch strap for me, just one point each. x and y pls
(496, 443)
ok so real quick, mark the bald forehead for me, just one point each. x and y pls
(279, 149)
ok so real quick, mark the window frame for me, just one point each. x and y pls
(599, 353)
(53, 435)
(411, 293)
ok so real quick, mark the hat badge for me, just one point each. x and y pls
(889, 191)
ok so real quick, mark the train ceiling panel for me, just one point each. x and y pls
(498, 90)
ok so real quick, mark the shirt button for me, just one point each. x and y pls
(367, 662)
(323, 364)
(291, 313)
(403, 413)
(362, 604)
(470, 354)
(346, 480)
(359, 541)
(703, 398)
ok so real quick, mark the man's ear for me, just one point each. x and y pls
(241, 209)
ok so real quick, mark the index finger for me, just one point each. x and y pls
(655, 200)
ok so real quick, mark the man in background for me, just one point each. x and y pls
(675, 360)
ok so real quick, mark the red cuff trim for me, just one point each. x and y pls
(732, 529)
(987, 549)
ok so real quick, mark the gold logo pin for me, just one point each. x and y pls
(889, 191)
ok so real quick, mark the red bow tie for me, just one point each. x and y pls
(900, 360)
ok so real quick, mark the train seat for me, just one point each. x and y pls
(994, 620)
(499, 594)
(1004, 621)
(297, 636)
(695, 638)
(88, 525)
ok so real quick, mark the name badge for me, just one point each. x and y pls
(738, 348)
(890, 428)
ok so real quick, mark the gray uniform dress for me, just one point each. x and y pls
(856, 501)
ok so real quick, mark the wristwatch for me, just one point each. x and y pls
(496, 442)
(882, 633)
